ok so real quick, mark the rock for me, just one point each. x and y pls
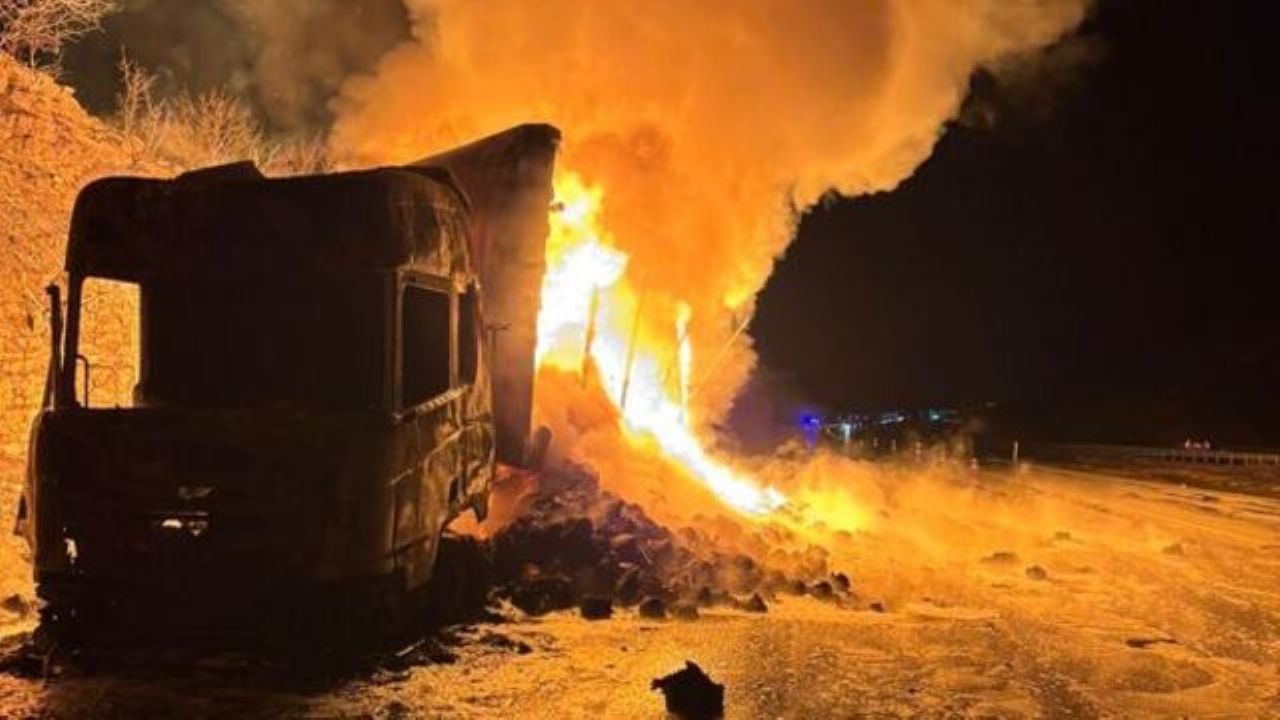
(1062, 535)
(822, 590)
(1001, 557)
(876, 606)
(653, 608)
(502, 642)
(840, 582)
(660, 550)
(1035, 572)
(691, 694)
(1144, 643)
(395, 710)
(427, 651)
(17, 605)
(797, 587)
(755, 604)
(627, 548)
(1173, 549)
(541, 595)
(684, 611)
(707, 597)
(627, 589)
(566, 545)
(596, 607)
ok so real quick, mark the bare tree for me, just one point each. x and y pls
(137, 116)
(32, 30)
(134, 102)
(192, 131)
(209, 129)
(304, 155)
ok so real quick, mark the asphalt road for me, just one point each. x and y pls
(1045, 594)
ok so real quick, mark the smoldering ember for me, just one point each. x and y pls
(818, 359)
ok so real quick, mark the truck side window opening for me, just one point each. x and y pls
(424, 337)
(468, 339)
(109, 338)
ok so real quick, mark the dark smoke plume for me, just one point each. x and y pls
(287, 58)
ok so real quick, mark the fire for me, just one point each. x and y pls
(591, 323)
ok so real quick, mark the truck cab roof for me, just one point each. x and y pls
(232, 219)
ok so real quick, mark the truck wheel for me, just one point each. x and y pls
(67, 614)
(461, 579)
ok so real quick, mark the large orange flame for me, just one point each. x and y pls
(589, 324)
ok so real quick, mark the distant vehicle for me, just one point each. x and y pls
(315, 400)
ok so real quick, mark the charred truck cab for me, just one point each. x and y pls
(315, 397)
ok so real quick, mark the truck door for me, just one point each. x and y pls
(477, 441)
(431, 424)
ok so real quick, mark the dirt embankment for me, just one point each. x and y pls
(49, 148)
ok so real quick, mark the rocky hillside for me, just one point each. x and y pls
(49, 148)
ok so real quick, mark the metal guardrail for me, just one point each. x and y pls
(1174, 455)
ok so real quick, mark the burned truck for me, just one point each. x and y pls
(330, 366)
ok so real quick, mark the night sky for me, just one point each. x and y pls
(1092, 246)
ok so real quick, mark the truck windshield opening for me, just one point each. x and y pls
(245, 342)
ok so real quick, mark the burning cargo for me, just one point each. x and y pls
(319, 392)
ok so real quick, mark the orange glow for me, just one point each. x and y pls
(651, 399)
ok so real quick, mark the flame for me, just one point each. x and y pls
(590, 323)
(684, 355)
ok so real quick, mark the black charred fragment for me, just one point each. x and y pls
(691, 694)
(822, 590)
(596, 608)
(627, 589)
(652, 608)
(684, 611)
(1144, 643)
(543, 594)
(755, 604)
(1001, 557)
(17, 604)
(502, 642)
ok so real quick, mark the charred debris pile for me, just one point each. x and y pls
(578, 546)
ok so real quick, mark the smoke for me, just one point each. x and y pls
(705, 125)
(286, 58)
(1029, 89)
(307, 48)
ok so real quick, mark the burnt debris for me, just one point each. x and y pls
(691, 694)
(755, 604)
(652, 608)
(596, 607)
(577, 546)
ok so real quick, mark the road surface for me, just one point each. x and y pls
(1041, 594)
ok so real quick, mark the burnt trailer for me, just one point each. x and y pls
(315, 399)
